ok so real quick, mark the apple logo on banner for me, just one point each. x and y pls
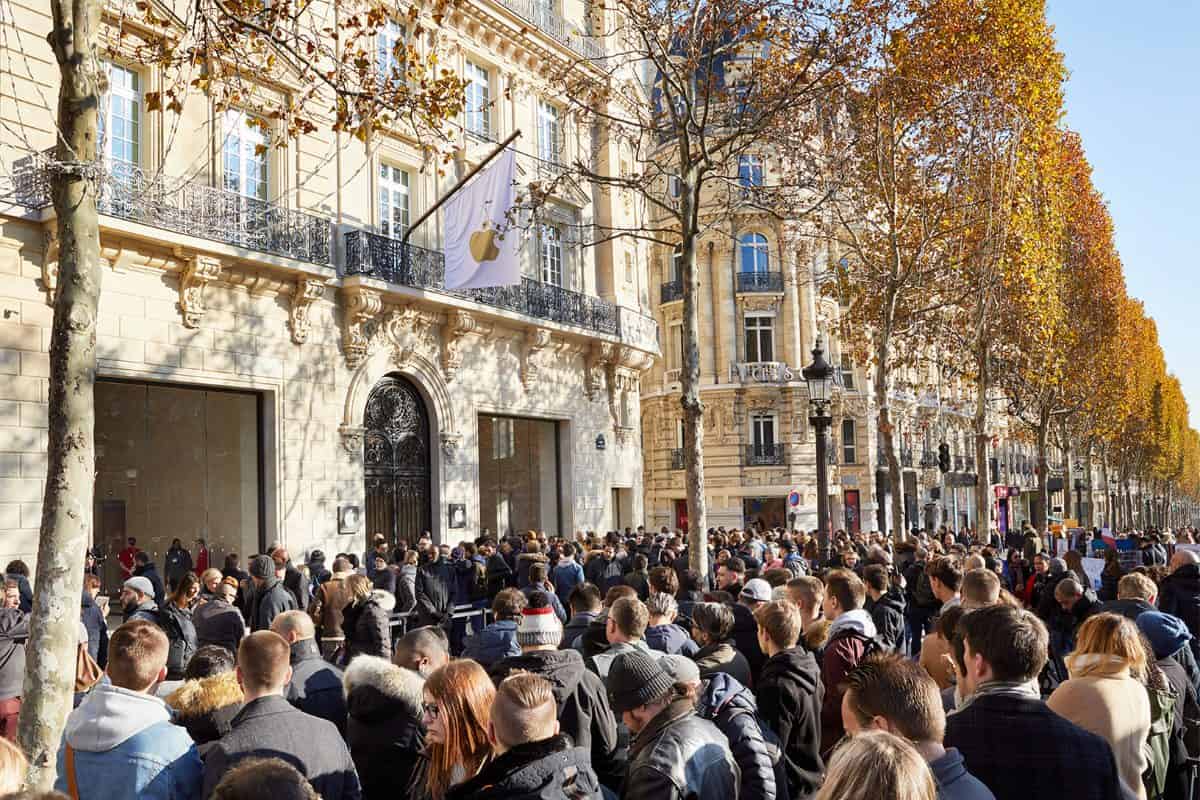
(483, 244)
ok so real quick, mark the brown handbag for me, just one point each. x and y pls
(87, 671)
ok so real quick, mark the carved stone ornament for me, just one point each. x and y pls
(450, 444)
(759, 302)
(411, 331)
(50, 264)
(352, 439)
(199, 272)
(307, 292)
(360, 305)
(537, 340)
(456, 328)
(598, 359)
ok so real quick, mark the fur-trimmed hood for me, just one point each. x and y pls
(385, 599)
(375, 687)
(196, 698)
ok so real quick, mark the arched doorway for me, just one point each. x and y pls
(396, 461)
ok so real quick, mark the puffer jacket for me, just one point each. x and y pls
(680, 756)
(550, 769)
(1179, 595)
(584, 713)
(383, 730)
(790, 694)
(496, 641)
(731, 707)
(888, 615)
(367, 626)
(206, 707)
(671, 639)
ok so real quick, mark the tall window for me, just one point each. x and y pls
(478, 100)
(677, 265)
(762, 431)
(847, 373)
(760, 339)
(503, 440)
(754, 254)
(629, 268)
(750, 171)
(849, 443)
(393, 201)
(120, 120)
(552, 255)
(549, 138)
(673, 186)
(245, 155)
(388, 42)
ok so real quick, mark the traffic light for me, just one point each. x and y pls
(944, 457)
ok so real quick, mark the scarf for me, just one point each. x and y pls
(1026, 691)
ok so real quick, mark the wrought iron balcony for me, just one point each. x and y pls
(677, 459)
(556, 27)
(188, 208)
(376, 256)
(672, 291)
(928, 458)
(760, 281)
(760, 372)
(766, 454)
(906, 458)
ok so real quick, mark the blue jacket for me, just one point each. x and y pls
(565, 577)
(953, 780)
(126, 746)
(559, 611)
(496, 641)
(671, 639)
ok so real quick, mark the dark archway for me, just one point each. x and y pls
(396, 461)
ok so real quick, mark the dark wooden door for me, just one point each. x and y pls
(396, 461)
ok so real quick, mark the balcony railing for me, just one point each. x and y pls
(556, 27)
(760, 372)
(906, 458)
(928, 458)
(760, 281)
(677, 460)
(672, 291)
(188, 208)
(376, 256)
(769, 454)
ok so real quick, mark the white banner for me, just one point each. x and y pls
(482, 249)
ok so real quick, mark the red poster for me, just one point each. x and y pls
(850, 502)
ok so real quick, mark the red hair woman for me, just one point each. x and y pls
(456, 710)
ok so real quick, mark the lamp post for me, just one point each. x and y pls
(819, 377)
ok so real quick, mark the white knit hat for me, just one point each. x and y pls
(539, 626)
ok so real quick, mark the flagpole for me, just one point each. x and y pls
(454, 189)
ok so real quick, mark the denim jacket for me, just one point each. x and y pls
(126, 747)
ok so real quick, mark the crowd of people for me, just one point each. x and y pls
(944, 666)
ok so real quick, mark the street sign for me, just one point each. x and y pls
(794, 498)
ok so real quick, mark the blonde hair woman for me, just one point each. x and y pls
(13, 766)
(1106, 694)
(874, 765)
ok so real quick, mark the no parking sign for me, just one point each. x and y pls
(794, 498)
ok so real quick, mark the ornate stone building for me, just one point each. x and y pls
(275, 366)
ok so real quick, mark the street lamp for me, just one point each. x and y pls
(819, 377)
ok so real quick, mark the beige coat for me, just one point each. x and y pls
(933, 648)
(1111, 704)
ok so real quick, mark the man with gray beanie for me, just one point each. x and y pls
(583, 710)
(675, 754)
(137, 600)
(271, 598)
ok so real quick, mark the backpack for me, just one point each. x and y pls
(871, 644)
(1157, 747)
(181, 634)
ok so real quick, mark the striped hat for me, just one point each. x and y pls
(539, 626)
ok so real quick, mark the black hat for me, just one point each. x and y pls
(262, 567)
(636, 679)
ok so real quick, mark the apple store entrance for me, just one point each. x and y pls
(519, 475)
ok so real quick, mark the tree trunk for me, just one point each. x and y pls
(983, 499)
(1068, 471)
(888, 436)
(693, 409)
(1041, 514)
(70, 472)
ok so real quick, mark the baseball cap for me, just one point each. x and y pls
(757, 589)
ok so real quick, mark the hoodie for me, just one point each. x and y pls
(849, 636)
(584, 713)
(790, 696)
(126, 746)
(383, 730)
(888, 615)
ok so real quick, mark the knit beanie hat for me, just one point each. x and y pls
(539, 626)
(262, 567)
(636, 679)
(1167, 634)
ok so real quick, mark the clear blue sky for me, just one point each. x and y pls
(1134, 96)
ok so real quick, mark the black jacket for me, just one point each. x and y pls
(1021, 749)
(731, 707)
(679, 756)
(723, 657)
(583, 710)
(1179, 594)
(789, 699)
(888, 615)
(576, 627)
(367, 627)
(178, 563)
(295, 582)
(270, 600)
(206, 707)
(97, 628)
(150, 573)
(316, 685)
(434, 579)
(269, 727)
(177, 623)
(219, 622)
(552, 769)
(745, 638)
(384, 726)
